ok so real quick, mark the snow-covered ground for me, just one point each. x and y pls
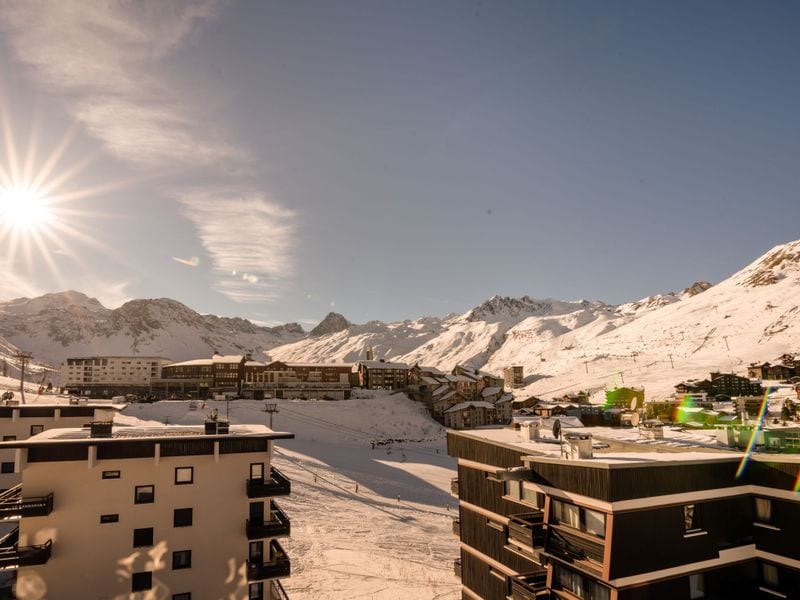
(390, 539)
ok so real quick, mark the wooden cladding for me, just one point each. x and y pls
(484, 452)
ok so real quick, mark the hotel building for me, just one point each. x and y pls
(147, 513)
(620, 525)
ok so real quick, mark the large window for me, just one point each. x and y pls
(763, 510)
(584, 519)
(7, 467)
(142, 537)
(580, 586)
(181, 559)
(182, 517)
(184, 475)
(691, 518)
(141, 581)
(144, 494)
(35, 429)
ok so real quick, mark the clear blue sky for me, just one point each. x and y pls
(389, 160)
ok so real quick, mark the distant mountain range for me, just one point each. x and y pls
(752, 315)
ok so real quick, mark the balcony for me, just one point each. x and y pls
(530, 586)
(457, 527)
(277, 592)
(277, 485)
(278, 525)
(457, 567)
(277, 566)
(454, 486)
(582, 550)
(13, 506)
(25, 556)
(527, 529)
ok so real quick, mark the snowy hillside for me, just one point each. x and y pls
(55, 326)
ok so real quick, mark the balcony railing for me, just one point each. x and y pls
(454, 486)
(457, 567)
(278, 525)
(529, 586)
(25, 556)
(14, 506)
(277, 566)
(583, 550)
(277, 485)
(457, 527)
(527, 529)
(10, 539)
(277, 592)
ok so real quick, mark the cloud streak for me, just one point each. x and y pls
(248, 237)
(104, 60)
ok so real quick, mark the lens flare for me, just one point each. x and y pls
(754, 435)
(23, 209)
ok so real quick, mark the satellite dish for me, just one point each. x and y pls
(557, 428)
(634, 419)
(633, 403)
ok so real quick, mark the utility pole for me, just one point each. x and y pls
(725, 337)
(586, 365)
(670, 361)
(271, 409)
(23, 358)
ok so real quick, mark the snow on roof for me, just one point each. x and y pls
(490, 391)
(429, 380)
(192, 363)
(449, 395)
(431, 370)
(378, 364)
(506, 398)
(472, 404)
(227, 358)
(441, 390)
(331, 365)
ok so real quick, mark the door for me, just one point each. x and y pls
(256, 553)
(257, 513)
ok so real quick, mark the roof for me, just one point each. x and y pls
(473, 404)
(377, 364)
(441, 390)
(505, 398)
(491, 391)
(429, 380)
(308, 365)
(432, 370)
(150, 433)
(227, 358)
(197, 362)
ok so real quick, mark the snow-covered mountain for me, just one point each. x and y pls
(563, 346)
(55, 326)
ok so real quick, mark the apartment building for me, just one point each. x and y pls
(514, 377)
(281, 379)
(204, 377)
(147, 513)
(621, 525)
(383, 375)
(19, 422)
(106, 376)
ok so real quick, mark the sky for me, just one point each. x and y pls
(389, 160)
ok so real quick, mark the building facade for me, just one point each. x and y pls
(514, 377)
(383, 375)
(149, 513)
(670, 526)
(107, 376)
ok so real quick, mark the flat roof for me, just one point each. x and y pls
(154, 433)
(66, 404)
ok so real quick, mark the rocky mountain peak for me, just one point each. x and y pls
(774, 266)
(332, 323)
(698, 287)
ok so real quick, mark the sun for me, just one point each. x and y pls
(24, 210)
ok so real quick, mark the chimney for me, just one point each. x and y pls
(579, 445)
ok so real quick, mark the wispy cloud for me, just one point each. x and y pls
(104, 60)
(248, 237)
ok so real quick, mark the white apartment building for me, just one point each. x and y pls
(148, 513)
(117, 373)
(19, 422)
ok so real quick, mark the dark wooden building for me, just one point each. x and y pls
(653, 526)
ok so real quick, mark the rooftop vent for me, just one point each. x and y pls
(101, 429)
(578, 445)
(217, 426)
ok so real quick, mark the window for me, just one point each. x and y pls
(141, 581)
(109, 519)
(36, 429)
(769, 575)
(183, 596)
(7, 467)
(111, 474)
(184, 475)
(9, 438)
(763, 510)
(697, 586)
(142, 537)
(590, 521)
(595, 522)
(182, 517)
(530, 496)
(145, 494)
(513, 489)
(181, 559)
(691, 519)
(257, 471)
(256, 591)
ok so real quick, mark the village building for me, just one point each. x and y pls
(284, 379)
(513, 377)
(108, 376)
(772, 372)
(625, 397)
(383, 375)
(470, 414)
(147, 512)
(623, 526)
(203, 378)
